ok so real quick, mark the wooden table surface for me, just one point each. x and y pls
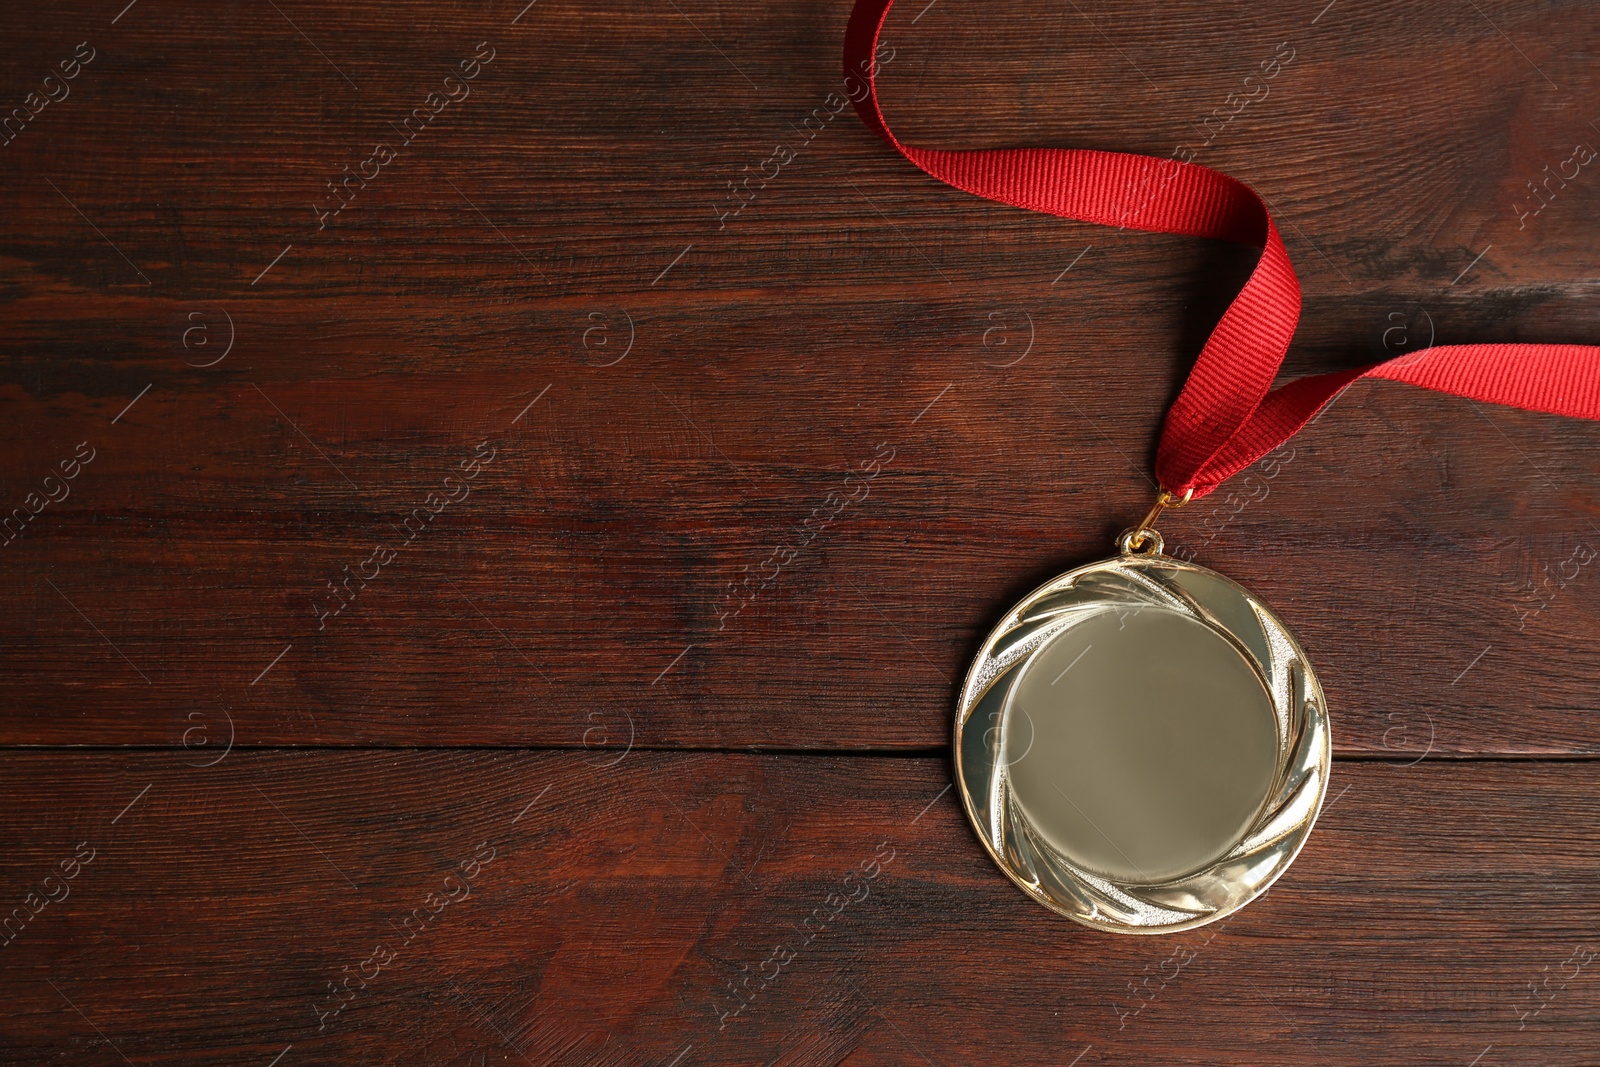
(498, 499)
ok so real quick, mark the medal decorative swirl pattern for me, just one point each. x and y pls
(1130, 584)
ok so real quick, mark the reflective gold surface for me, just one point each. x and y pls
(1134, 765)
(1142, 745)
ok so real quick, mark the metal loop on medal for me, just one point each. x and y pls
(1140, 542)
(1143, 540)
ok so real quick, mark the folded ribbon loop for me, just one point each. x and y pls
(1228, 415)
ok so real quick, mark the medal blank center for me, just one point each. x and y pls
(1140, 746)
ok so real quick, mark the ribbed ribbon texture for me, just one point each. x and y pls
(1227, 415)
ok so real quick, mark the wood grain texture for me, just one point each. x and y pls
(548, 288)
(574, 207)
(625, 895)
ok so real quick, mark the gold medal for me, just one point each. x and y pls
(1141, 743)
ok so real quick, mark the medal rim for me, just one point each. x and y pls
(1315, 716)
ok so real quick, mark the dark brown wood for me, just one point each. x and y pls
(803, 337)
(623, 899)
(548, 289)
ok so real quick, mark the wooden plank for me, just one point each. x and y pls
(628, 898)
(618, 556)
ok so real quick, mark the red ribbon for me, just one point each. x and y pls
(1227, 415)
